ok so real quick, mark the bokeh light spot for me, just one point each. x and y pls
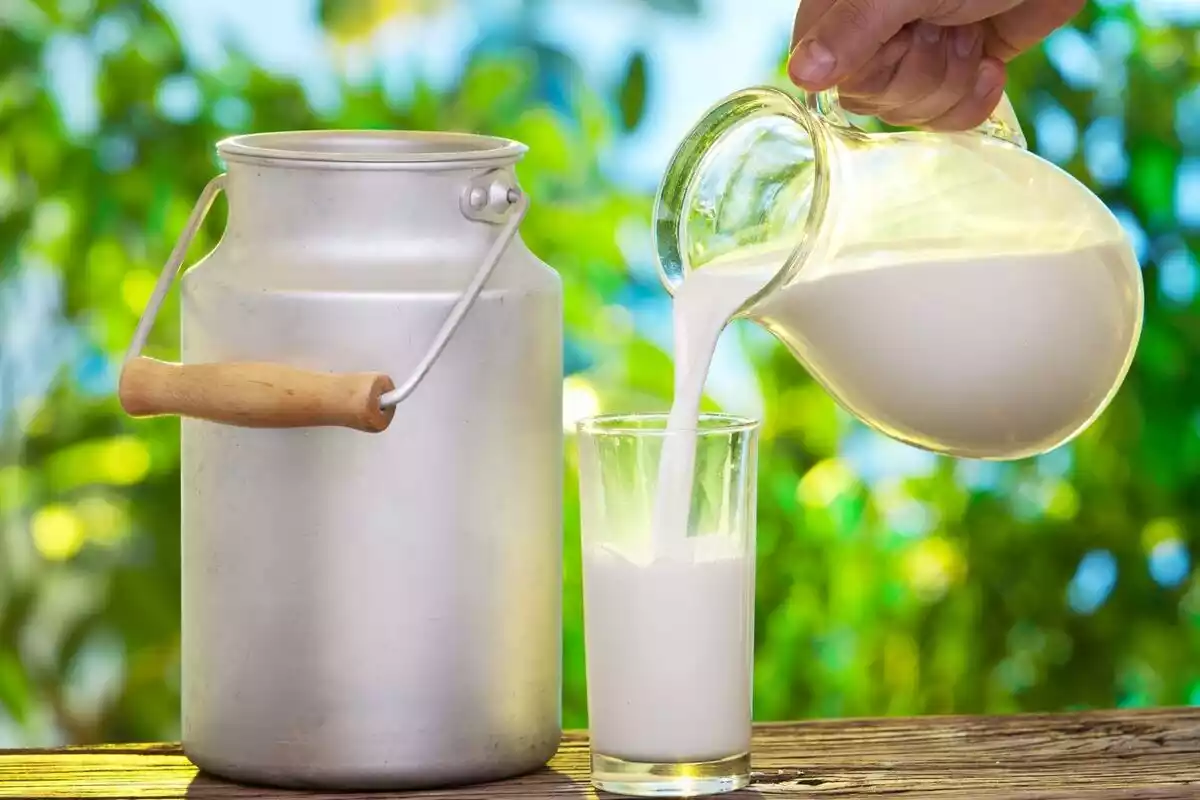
(58, 532)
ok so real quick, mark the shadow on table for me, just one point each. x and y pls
(546, 782)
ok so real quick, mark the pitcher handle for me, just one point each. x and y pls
(265, 395)
(1002, 124)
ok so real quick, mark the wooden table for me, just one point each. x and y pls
(1131, 754)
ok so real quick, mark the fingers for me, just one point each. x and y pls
(931, 78)
(860, 92)
(846, 37)
(837, 39)
(890, 60)
(964, 12)
(913, 77)
(975, 107)
(937, 76)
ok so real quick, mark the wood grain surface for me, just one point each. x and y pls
(1127, 754)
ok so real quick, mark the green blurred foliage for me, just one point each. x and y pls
(960, 589)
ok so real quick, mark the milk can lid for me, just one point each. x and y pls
(416, 149)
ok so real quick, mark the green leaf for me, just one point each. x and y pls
(347, 17)
(1152, 180)
(16, 695)
(633, 92)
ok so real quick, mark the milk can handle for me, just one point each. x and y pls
(264, 395)
(1002, 124)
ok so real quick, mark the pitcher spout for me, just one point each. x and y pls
(753, 175)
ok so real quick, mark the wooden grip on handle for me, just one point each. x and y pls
(252, 395)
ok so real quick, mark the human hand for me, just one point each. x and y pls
(936, 64)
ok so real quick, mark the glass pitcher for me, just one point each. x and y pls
(951, 290)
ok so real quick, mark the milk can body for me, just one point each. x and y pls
(374, 610)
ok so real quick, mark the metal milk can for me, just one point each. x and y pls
(371, 572)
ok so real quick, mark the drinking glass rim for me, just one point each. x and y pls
(635, 425)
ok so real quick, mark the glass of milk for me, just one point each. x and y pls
(669, 602)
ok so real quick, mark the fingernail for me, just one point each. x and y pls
(929, 34)
(987, 80)
(811, 62)
(964, 40)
